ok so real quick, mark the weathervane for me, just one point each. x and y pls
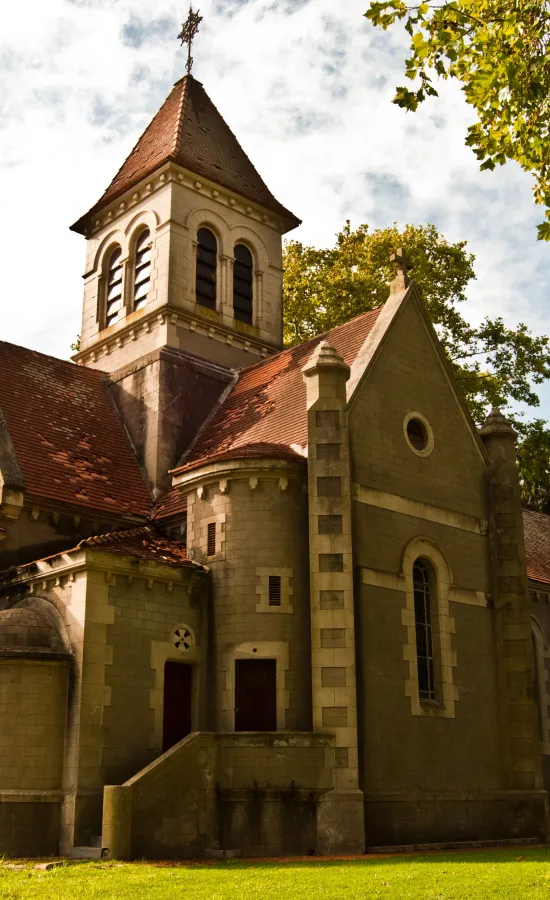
(188, 31)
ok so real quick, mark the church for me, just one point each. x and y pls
(256, 601)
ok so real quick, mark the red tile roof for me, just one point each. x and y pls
(189, 131)
(67, 437)
(172, 504)
(145, 543)
(266, 409)
(537, 545)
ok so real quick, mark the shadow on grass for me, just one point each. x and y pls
(452, 857)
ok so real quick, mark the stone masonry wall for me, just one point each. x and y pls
(33, 710)
(261, 528)
(173, 208)
(140, 637)
(415, 754)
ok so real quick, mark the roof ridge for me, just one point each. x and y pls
(108, 536)
(66, 362)
(317, 337)
(180, 114)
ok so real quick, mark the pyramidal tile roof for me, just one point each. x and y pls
(189, 130)
(67, 439)
(265, 412)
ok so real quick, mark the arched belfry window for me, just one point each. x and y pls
(113, 306)
(242, 284)
(142, 269)
(207, 264)
(422, 587)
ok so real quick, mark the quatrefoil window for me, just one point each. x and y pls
(183, 638)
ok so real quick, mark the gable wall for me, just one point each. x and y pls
(406, 749)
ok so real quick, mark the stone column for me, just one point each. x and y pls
(516, 666)
(225, 286)
(117, 822)
(340, 819)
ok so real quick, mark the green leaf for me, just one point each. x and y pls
(498, 50)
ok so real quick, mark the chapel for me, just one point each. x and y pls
(253, 600)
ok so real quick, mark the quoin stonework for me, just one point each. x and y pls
(252, 600)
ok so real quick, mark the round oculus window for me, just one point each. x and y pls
(182, 638)
(417, 434)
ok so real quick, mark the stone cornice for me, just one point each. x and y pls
(160, 315)
(171, 172)
(249, 468)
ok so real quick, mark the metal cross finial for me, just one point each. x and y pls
(403, 263)
(188, 31)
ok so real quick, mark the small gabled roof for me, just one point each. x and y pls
(188, 130)
(143, 542)
(536, 527)
(68, 441)
(265, 412)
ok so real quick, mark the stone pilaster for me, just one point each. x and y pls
(521, 744)
(340, 817)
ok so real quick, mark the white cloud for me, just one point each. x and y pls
(305, 84)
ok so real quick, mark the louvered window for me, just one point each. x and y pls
(142, 270)
(114, 288)
(211, 539)
(423, 622)
(274, 590)
(207, 265)
(416, 434)
(242, 284)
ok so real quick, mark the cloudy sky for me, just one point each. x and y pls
(305, 84)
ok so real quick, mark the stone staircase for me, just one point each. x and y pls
(93, 850)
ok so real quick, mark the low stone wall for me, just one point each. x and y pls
(29, 823)
(282, 760)
(453, 818)
(252, 793)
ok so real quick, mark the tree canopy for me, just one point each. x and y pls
(494, 364)
(500, 51)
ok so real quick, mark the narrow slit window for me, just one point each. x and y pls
(274, 590)
(142, 274)
(211, 539)
(424, 637)
(207, 264)
(113, 307)
(242, 284)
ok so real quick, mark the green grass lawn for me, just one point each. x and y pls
(514, 874)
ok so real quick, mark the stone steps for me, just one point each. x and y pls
(93, 850)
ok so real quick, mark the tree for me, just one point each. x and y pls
(534, 464)
(494, 365)
(500, 51)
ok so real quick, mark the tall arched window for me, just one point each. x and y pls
(113, 306)
(207, 264)
(422, 587)
(537, 698)
(142, 269)
(242, 284)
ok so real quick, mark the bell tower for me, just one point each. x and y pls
(184, 247)
(183, 277)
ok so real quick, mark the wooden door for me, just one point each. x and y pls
(178, 678)
(256, 695)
